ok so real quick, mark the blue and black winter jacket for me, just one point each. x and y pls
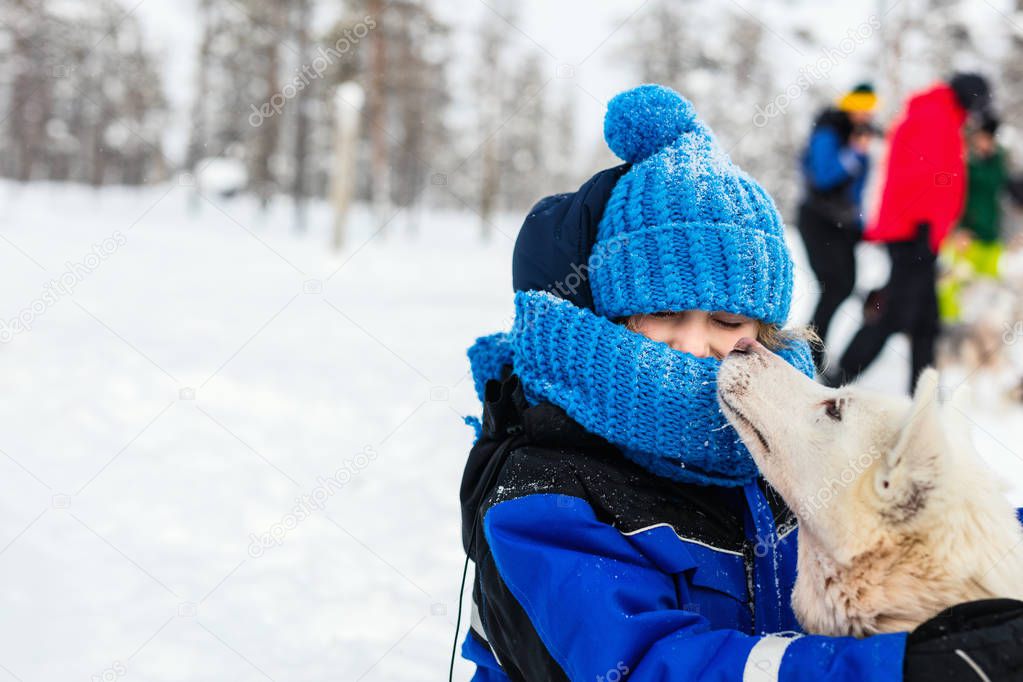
(589, 567)
(834, 173)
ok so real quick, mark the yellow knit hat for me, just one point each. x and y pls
(860, 98)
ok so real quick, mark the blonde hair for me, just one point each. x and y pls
(775, 338)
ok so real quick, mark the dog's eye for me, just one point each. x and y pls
(833, 410)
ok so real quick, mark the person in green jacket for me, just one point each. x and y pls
(976, 246)
(987, 179)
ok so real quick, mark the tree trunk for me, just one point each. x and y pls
(298, 188)
(376, 104)
(269, 131)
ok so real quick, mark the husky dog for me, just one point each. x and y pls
(984, 345)
(899, 518)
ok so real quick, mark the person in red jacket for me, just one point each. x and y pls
(924, 190)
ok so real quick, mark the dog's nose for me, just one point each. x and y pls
(746, 345)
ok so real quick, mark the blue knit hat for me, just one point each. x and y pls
(684, 228)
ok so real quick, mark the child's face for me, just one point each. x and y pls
(861, 117)
(696, 332)
(983, 143)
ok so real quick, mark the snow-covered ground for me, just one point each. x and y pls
(229, 454)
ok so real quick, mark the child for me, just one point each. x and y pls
(975, 249)
(987, 180)
(618, 526)
(835, 164)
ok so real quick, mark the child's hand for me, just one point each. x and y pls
(960, 239)
(860, 142)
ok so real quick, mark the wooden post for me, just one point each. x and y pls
(348, 101)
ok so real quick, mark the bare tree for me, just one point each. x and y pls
(1010, 94)
(32, 79)
(300, 28)
(409, 125)
(83, 96)
(269, 17)
(376, 109)
(199, 130)
(489, 83)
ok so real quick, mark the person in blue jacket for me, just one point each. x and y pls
(618, 526)
(835, 165)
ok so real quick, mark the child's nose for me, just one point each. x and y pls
(693, 343)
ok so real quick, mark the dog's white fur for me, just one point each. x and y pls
(898, 515)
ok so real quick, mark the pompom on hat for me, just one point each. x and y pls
(644, 120)
(684, 228)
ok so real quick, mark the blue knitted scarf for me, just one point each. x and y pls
(658, 405)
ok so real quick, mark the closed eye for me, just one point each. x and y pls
(833, 408)
(729, 321)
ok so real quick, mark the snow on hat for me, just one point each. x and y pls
(684, 228)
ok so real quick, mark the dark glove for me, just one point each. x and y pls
(971, 642)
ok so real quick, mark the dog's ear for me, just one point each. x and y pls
(905, 475)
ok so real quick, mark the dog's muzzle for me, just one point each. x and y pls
(734, 381)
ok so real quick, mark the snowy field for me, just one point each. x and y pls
(228, 454)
